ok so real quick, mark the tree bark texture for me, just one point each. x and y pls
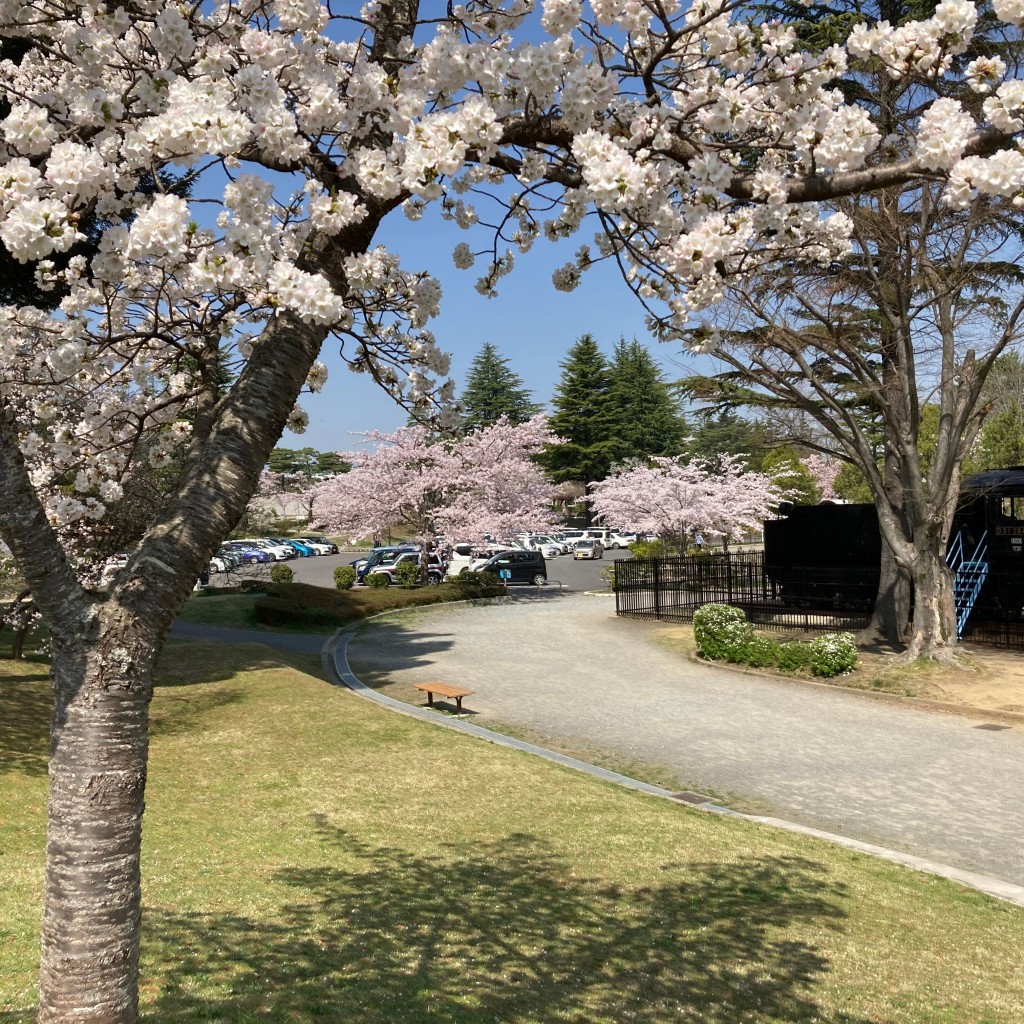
(933, 634)
(92, 905)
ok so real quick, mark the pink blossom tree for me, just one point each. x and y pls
(824, 471)
(484, 482)
(695, 145)
(672, 497)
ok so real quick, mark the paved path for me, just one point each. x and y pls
(930, 784)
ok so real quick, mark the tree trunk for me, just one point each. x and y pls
(891, 615)
(92, 902)
(933, 633)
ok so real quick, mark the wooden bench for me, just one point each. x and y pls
(444, 690)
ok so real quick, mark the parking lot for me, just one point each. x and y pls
(565, 571)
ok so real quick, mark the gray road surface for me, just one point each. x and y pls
(930, 784)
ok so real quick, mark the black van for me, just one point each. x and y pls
(521, 566)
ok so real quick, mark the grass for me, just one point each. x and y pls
(238, 611)
(310, 857)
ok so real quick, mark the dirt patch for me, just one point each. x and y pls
(987, 678)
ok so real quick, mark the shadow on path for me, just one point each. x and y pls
(500, 932)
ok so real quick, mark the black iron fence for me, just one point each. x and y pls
(793, 597)
(774, 597)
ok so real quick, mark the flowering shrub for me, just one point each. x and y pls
(282, 574)
(832, 654)
(344, 577)
(722, 632)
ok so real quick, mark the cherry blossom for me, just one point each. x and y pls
(673, 497)
(479, 484)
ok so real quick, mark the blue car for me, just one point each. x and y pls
(248, 553)
(303, 550)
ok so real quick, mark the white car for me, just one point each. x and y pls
(279, 552)
(618, 540)
(548, 546)
(318, 546)
(571, 536)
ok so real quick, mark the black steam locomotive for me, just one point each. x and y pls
(827, 556)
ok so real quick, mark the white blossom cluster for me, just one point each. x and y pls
(224, 164)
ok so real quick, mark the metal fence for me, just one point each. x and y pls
(791, 597)
(773, 597)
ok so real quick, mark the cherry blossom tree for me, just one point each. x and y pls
(695, 145)
(672, 497)
(484, 482)
(824, 471)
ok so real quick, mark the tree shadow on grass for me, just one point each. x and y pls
(25, 706)
(504, 932)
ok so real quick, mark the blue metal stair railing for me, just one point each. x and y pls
(968, 577)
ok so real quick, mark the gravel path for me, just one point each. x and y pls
(930, 784)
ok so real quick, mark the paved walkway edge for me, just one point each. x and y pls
(334, 658)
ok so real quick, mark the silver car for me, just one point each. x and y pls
(587, 548)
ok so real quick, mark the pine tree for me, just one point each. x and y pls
(648, 421)
(492, 391)
(584, 417)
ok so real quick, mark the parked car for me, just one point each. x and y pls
(301, 549)
(277, 551)
(571, 536)
(618, 540)
(231, 559)
(249, 552)
(543, 543)
(523, 566)
(588, 548)
(601, 533)
(320, 545)
(380, 556)
(435, 567)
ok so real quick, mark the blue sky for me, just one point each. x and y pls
(530, 323)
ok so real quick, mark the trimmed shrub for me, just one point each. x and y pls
(252, 586)
(377, 579)
(473, 582)
(407, 574)
(345, 577)
(276, 611)
(646, 548)
(761, 652)
(794, 656)
(832, 654)
(722, 632)
(282, 574)
(608, 575)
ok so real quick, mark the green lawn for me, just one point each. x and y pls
(310, 857)
(237, 611)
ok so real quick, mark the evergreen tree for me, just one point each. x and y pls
(722, 432)
(648, 421)
(584, 417)
(492, 391)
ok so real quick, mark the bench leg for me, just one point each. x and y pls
(458, 704)
(430, 699)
